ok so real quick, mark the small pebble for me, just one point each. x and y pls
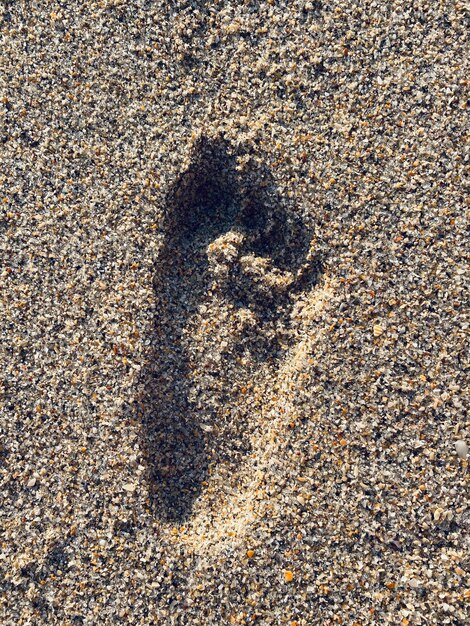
(288, 576)
(462, 449)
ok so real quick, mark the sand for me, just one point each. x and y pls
(234, 259)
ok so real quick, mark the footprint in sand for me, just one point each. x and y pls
(228, 272)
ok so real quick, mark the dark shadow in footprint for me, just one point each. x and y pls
(210, 198)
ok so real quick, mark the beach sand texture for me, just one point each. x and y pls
(234, 278)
